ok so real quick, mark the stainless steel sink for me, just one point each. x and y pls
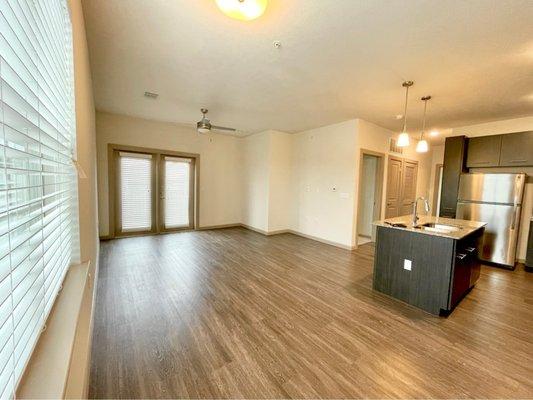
(441, 228)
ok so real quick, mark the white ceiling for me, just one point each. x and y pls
(340, 59)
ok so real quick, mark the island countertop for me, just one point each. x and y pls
(465, 227)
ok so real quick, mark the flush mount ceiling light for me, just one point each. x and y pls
(403, 138)
(244, 10)
(434, 133)
(422, 145)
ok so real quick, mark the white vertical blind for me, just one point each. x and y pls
(38, 212)
(176, 190)
(136, 191)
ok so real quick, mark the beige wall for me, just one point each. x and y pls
(266, 173)
(308, 182)
(323, 180)
(77, 381)
(280, 203)
(501, 127)
(255, 180)
(220, 163)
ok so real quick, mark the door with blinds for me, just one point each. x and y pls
(154, 192)
(175, 193)
(135, 193)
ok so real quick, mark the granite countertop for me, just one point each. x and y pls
(463, 227)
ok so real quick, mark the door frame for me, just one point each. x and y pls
(378, 190)
(156, 155)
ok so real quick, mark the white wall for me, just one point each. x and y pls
(496, 128)
(255, 178)
(323, 180)
(280, 204)
(308, 182)
(220, 163)
(266, 189)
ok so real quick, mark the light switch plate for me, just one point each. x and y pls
(407, 264)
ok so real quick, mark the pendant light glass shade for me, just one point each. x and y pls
(422, 146)
(403, 138)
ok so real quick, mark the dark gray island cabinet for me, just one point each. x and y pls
(431, 266)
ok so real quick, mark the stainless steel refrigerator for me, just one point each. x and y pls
(497, 200)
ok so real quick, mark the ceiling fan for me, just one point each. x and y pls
(204, 125)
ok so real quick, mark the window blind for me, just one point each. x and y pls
(136, 191)
(176, 189)
(38, 185)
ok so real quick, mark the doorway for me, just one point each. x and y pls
(151, 191)
(401, 186)
(370, 190)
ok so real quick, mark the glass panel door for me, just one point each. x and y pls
(135, 193)
(176, 193)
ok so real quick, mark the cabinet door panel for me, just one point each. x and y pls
(484, 151)
(517, 149)
(454, 165)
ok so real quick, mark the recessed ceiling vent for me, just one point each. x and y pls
(151, 95)
(394, 148)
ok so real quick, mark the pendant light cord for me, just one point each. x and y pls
(424, 120)
(405, 109)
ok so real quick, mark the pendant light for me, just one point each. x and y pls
(403, 138)
(422, 145)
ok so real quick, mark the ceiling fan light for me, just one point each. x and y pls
(403, 140)
(422, 146)
(244, 10)
(203, 130)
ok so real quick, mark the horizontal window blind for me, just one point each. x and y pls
(38, 185)
(135, 191)
(176, 189)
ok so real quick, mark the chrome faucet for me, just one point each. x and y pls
(415, 205)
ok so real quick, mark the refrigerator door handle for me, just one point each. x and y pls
(513, 218)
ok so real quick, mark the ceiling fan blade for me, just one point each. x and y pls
(222, 128)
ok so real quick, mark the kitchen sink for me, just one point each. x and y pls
(440, 228)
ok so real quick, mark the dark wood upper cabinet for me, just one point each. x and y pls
(484, 151)
(517, 149)
(454, 165)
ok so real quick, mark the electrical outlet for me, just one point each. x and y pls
(407, 264)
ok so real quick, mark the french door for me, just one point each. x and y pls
(154, 192)
(175, 193)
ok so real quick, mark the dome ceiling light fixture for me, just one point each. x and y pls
(422, 145)
(403, 138)
(244, 10)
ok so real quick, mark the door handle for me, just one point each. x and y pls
(513, 221)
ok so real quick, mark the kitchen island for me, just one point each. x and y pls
(432, 265)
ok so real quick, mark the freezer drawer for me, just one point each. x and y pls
(501, 233)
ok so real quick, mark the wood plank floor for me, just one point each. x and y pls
(231, 313)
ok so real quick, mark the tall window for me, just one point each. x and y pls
(38, 212)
